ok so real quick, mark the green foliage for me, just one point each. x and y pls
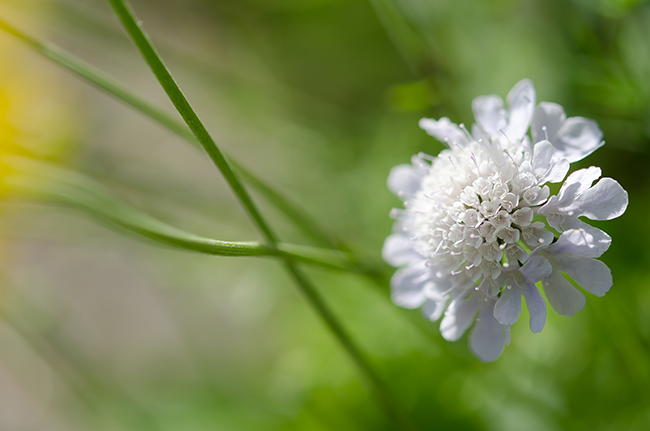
(320, 98)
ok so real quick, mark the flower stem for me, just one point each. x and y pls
(192, 120)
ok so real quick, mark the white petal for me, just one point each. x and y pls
(508, 306)
(576, 183)
(547, 120)
(556, 172)
(490, 113)
(443, 130)
(579, 242)
(432, 310)
(536, 307)
(590, 274)
(563, 297)
(542, 156)
(521, 104)
(604, 201)
(579, 181)
(404, 180)
(459, 316)
(577, 138)
(436, 289)
(535, 269)
(597, 240)
(398, 250)
(407, 286)
(478, 134)
(487, 338)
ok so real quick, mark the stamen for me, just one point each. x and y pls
(512, 160)
(504, 134)
(473, 157)
(467, 134)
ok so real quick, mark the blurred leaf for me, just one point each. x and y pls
(412, 97)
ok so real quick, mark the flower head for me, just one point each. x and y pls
(480, 228)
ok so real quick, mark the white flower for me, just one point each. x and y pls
(479, 226)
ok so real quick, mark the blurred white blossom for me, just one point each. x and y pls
(480, 228)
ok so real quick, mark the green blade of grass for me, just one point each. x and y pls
(142, 42)
(72, 189)
(122, 93)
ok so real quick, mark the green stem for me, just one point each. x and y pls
(192, 120)
(188, 114)
(122, 93)
(308, 225)
(71, 189)
(101, 80)
(382, 393)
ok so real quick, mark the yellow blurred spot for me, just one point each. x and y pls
(35, 111)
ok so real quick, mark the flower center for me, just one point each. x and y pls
(476, 203)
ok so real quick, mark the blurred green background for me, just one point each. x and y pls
(320, 98)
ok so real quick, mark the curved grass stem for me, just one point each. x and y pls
(118, 90)
(131, 25)
(74, 190)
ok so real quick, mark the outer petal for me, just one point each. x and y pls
(399, 250)
(535, 269)
(443, 130)
(580, 242)
(404, 180)
(578, 182)
(595, 238)
(508, 306)
(487, 338)
(563, 297)
(556, 172)
(590, 274)
(578, 138)
(536, 308)
(407, 286)
(459, 316)
(542, 155)
(490, 113)
(479, 134)
(521, 104)
(547, 121)
(436, 289)
(604, 201)
(432, 310)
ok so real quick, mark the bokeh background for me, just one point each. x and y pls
(100, 331)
